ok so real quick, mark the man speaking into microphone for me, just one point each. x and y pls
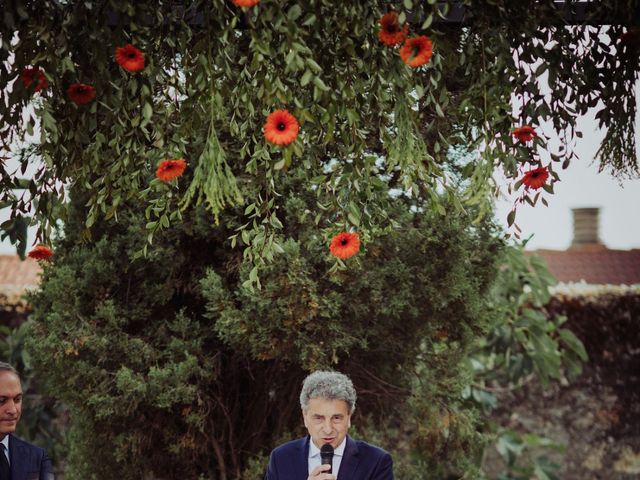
(328, 400)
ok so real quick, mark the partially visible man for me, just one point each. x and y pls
(19, 460)
(328, 400)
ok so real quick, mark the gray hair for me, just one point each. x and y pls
(329, 386)
(5, 367)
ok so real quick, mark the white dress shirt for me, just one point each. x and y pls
(314, 456)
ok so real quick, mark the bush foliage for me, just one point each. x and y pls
(169, 365)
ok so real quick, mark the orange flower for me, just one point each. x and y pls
(41, 252)
(524, 133)
(390, 31)
(345, 245)
(281, 128)
(417, 51)
(31, 75)
(170, 169)
(81, 93)
(245, 3)
(535, 178)
(130, 58)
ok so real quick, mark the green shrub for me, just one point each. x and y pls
(170, 366)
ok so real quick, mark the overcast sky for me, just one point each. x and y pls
(582, 186)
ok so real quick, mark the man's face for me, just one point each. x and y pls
(327, 421)
(10, 402)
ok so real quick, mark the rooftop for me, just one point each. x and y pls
(17, 276)
(594, 264)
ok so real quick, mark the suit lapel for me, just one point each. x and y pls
(301, 461)
(349, 463)
(19, 456)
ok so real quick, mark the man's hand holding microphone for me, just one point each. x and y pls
(323, 471)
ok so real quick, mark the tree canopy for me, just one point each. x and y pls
(214, 71)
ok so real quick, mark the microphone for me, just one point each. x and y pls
(326, 456)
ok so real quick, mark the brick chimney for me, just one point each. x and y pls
(585, 227)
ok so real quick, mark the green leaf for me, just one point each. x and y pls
(279, 165)
(253, 275)
(275, 221)
(574, 343)
(545, 470)
(306, 78)
(427, 23)
(354, 214)
(313, 65)
(541, 69)
(294, 12)
(317, 81)
(310, 20)
(147, 111)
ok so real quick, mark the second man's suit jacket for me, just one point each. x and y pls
(28, 462)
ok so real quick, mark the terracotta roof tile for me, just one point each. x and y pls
(16, 277)
(18, 273)
(594, 264)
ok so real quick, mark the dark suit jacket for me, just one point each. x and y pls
(28, 462)
(360, 461)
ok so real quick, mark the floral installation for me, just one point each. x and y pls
(245, 3)
(130, 58)
(417, 51)
(345, 245)
(525, 133)
(535, 178)
(391, 33)
(169, 169)
(40, 252)
(33, 75)
(281, 128)
(81, 93)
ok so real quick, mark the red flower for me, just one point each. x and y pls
(31, 75)
(281, 128)
(524, 133)
(535, 178)
(130, 58)
(41, 252)
(417, 51)
(245, 3)
(390, 31)
(345, 245)
(81, 93)
(170, 169)
(630, 38)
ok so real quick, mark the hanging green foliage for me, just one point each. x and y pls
(213, 180)
(115, 87)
